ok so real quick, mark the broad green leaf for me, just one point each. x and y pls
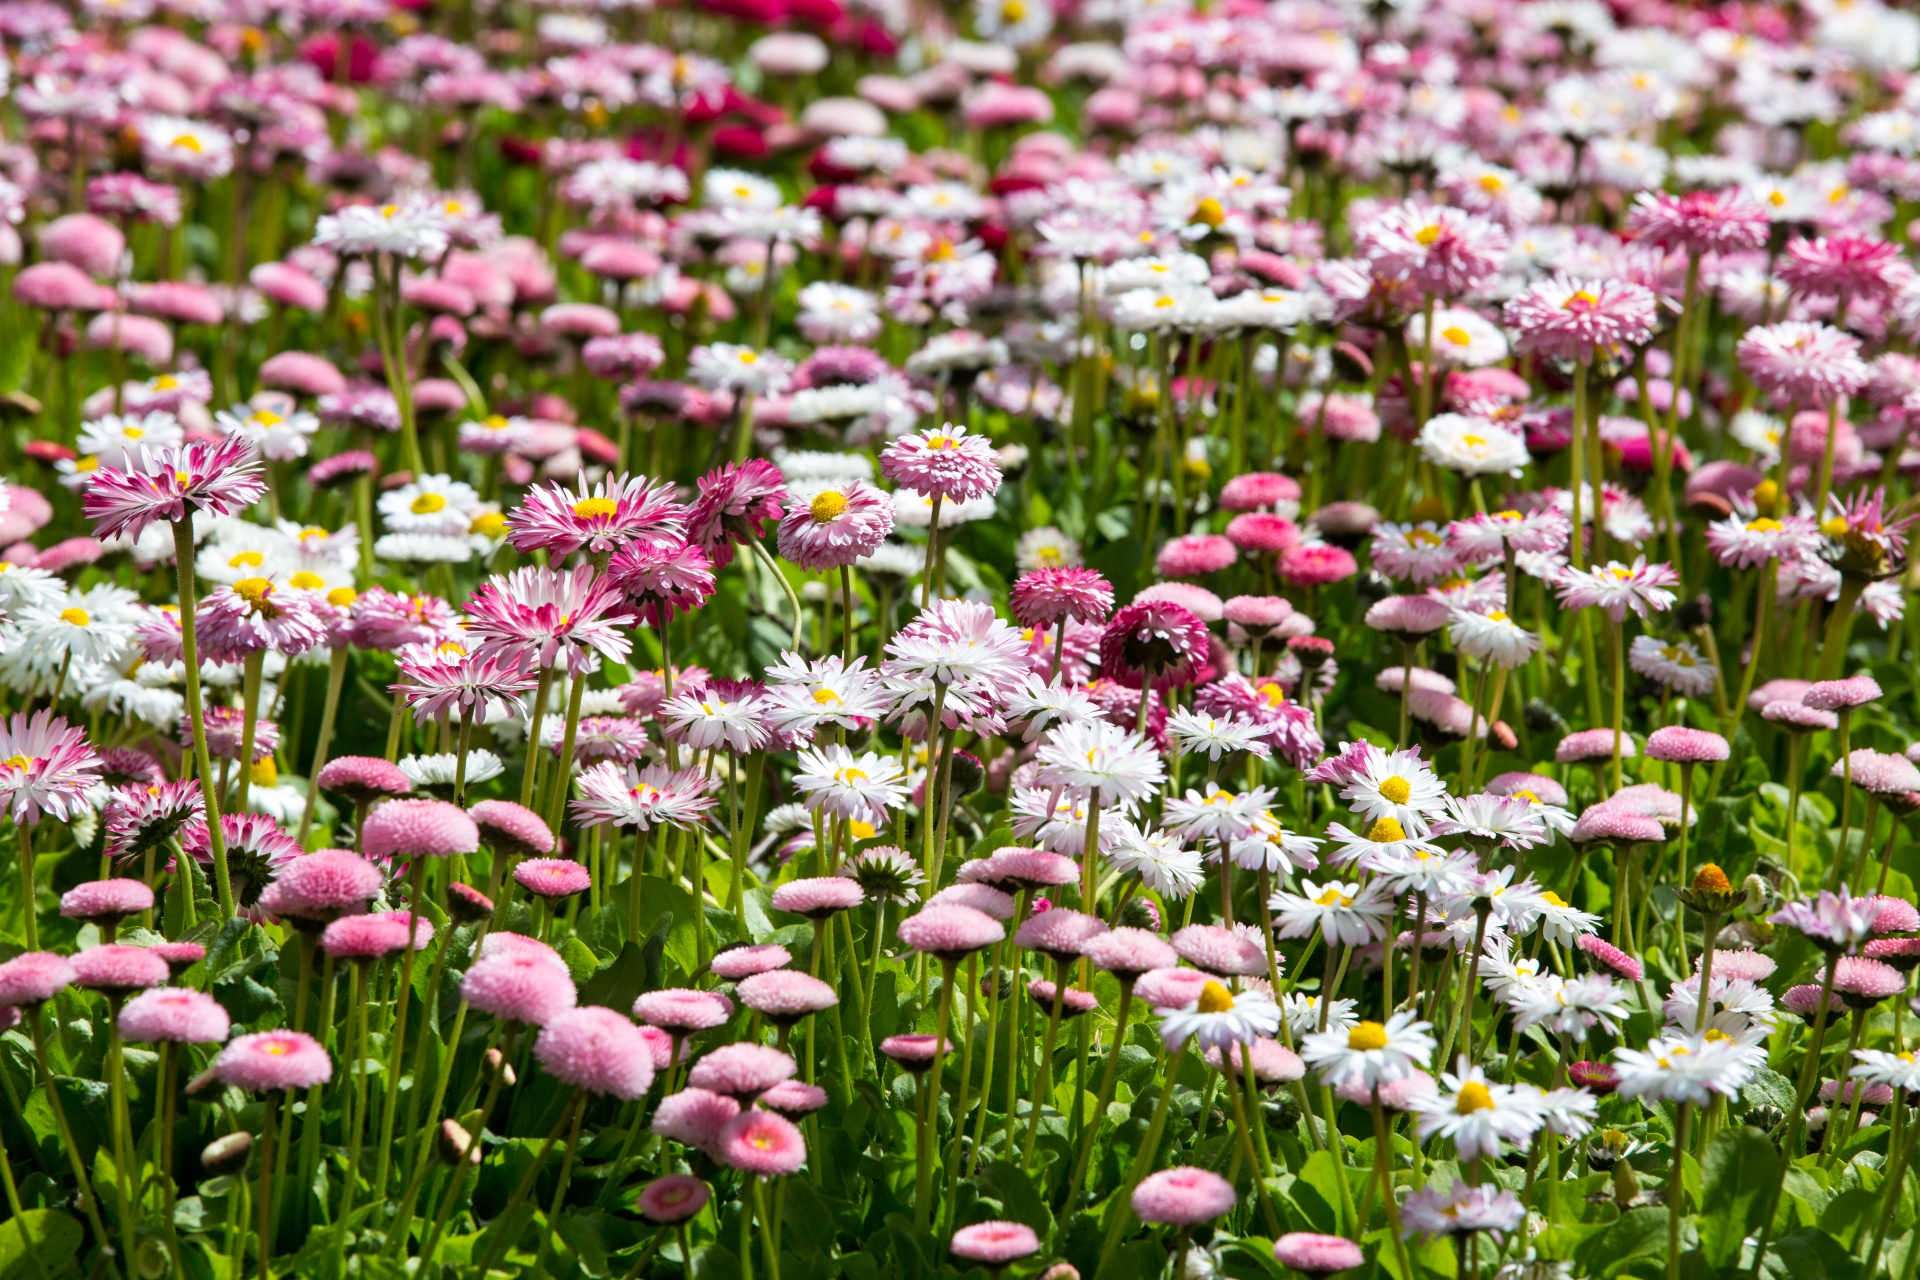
(1736, 1173)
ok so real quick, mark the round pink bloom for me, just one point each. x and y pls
(1155, 641)
(401, 829)
(1258, 491)
(595, 1049)
(694, 1117)
(1784, 690)
(762, 1143)
(1802, 362)
(1569, 319)
(605, 517)
(1317, 566)
(1438, 251)
(1842, 695)
(1128, 953)
(793, 1099)
(119, 968)
(1219, 950)
(510, 828)
(1183, 1197)
(785, 996)
(1682, 745)
(1530, 786)
(950, 933)
(1611, 957)
(1842, 266)
(740, 962)
(981, 897)
(1592, 744)
(1263, 612)
(1699, 222)
(672, 1198)
(1600, 824)
(504, 942)
(112, 900)
(683, 1010)
(994, 1244)
(1195, 554)
(1880, 773)
(734, 505)
(1799, 716)
(89, 242)
(1059, 933)
(180, 1015)
(1902, 953)
(1803, 1001)
(1741, 965)
(949, 464)
(552, 877)
(1273, 1062)
(1861, 982)
(741, 1070)
(1073, 1001)
(1317, 1255)
(1171, 988)
(661, 1045)
(1894, 915)
(321, 886)
(818, 897)
(525, 987)
(372, 937)
(34, 977)
(289, 286)
(1195, 599)
(580, 320)
(836, 527)
(1595, 1077)
(1045, 597)
(1260, 531)
(363, 778)
(270, 1060)
(1408, 616)
(180, 956)
(914, 1052)
(1026, 868)
(60, 286)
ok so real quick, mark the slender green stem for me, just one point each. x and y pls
(196, 714)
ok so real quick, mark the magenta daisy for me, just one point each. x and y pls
(253, 614)
(1849, 268)
(1699, 222)
(1572, 319)
(168, 484)
(734, 506)
(1802, 362)
(643, 798)
(611, 514)
(946, 464)
(46, 768)
(438, 682)
(836, 527)
(1439, 251)
(548, 616)
(662, 578)
(1046, 597)
(1616, 588)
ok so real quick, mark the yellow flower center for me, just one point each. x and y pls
(305, 581)
(1553, 899)
(266, 418)
(860, 830)
(749, 357)
(132, 433)
(1580, 301)
(1396, 790)
(1457, 336)
(1208, 213)
(595, 508)
(255, 589)
(341, 597)
(825, 697)
(849, 775)
(488, 524)
(187, 142)
(1473, 441)
(1765, 524)
(937, 443)
(1491, 183)
(1012, 11)
(1473, 1096)
(78, 617)
(1366, 1036)
(246, 560)
(22, 763)
(1428, 235)
(428, 503)
(1834, 528)
(265, 773)
(1215, 998)
(1386, 831)
(827, 506)
(1333, 898)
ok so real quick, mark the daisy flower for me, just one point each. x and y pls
(706, 720)
(1394, 784)
(804, 694)
(1480, 1118)
(643, 798)
(1565, 318)
(1685, 1068)
(836, 527)
(46, 768)
(1487, 536)
(167, 484)
(607, 516)
(1214, 737)
(543, 617)
(1158, 858)
(1492, 637)
(1101, 762)
(1344, 914)
(1370, 1053)
(435, 504)
(1615, 588)
(1673, 664)
(1802, 362)
(861, 787)
(1219, 1019)
(948, 464)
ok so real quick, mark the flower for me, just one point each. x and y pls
(734, 505)
(836, 526)
(1349, 914)
(994, 1244)
(1802, 362)
(1471, 446)
(1463, 1209)
(948, 463)
(46, 767)
(1217, 1018)
(1478, 1117)
(1316, 1255)
(1372, 1053)
(673, 1197)
(860, 787)
(597, 1050)
(1685, 1068)
(643, 798)
(167, 484)
(180, 1015)
(1615, 587)
(1152, 643)
(1183, 1197)
(614, 513)
(1100, 762)
(273, 1060)
(544, 616)
(1567, 318)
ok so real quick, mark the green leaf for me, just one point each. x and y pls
(1811, 1255)
(1736, 1173)
(56, 1239)
(1321, 1176)
(1768, 1088)
(1638, 1233)
(617, 983)
(581, 962)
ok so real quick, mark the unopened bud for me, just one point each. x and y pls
(1711, 879)
(456, 1144)
(497, 1062)
(228, 1154)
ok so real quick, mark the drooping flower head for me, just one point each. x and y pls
(550, 617)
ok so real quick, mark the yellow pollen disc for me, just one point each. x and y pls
(277, 1049)
(1364, 1036)
(1620, 574)
(1215, 998)
(1491, 183)
(187, 142)
(1834, 528)
(1271, 694)
(1012, 11)
(1208, 213)
(850, 774)
(1427, 235)
(132, 433)
(78, 617)
(1498, 615)
(1553, 899)
(1396, 790)
(1163, 302)
(1473, 1096)
(749, 357)
(1333, 898)
(1580, 298)
(1424, 538)
(252, 588)
(827, 506)
(341, 597)
(595, 508)
(428, 503)
(1715, 1033)
(488, 524)
(825, 697)
(1386, 831)
(388, 210)
(22, 763)
(494, 422)
(454, 207)
(265, 773)
(860, 830)
(89, 463)
(305, 581)
(1765, 524)
(181, 477)
(266, 418)
(937, 443)
(1457, 336)
(246, 560)
(311, 532)
(1905, 1055)
(1473, 441)
(1508, 515)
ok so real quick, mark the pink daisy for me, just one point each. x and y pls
(1045, 597)
(546, 616)
(612, 514)
(735, 503)
(1803, 363)
(1572, 319)
(273, 1060)
(994, 1244)
(762, 1143)
(180, 1015)
(595, 1049)
(1151, 643)
(948, 464)
(168, 484)
(836, 527)
(1182, 1197)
